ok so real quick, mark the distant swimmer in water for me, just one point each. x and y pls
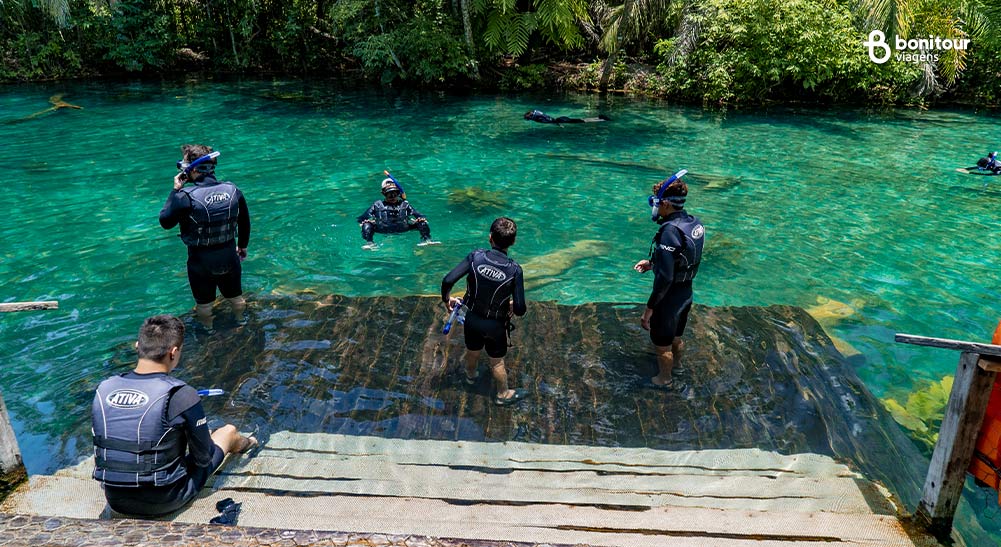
(990, 163)
(542, 117)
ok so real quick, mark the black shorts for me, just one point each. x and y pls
(212, 267)
(491, 333)
(670, 317)
(155, 501)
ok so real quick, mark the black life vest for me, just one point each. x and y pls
(491, 283)
(391, 218)
(133, 445)
(692, 236)
(215, 208)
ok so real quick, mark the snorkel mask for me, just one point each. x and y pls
(186, 167)
(403, 193)
(655, 201)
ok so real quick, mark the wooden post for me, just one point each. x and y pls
(12, 472)
(957, 437)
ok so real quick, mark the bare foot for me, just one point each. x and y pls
(244, 444)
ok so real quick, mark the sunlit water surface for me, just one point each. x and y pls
(861, 207)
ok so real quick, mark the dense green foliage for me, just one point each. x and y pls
(706, 51)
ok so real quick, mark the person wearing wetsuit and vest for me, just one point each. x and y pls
(677, 251)
(392, 215)
(215, 226)
(495, 288)
(153, 450)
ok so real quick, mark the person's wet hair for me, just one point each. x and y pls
(677, 188)
(503, 231)
(192, 152)
(158, 335)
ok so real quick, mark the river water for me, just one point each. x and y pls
(858, 215)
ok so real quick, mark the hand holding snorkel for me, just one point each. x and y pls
(185, 168)
(655, 201)
(456, 305)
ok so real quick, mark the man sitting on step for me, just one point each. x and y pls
(152, 447)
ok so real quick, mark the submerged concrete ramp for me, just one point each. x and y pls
(522, 492)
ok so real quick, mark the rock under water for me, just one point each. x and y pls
(768, 378)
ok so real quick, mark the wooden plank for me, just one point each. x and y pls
(517, 455)
(957, 437)
(82, 498)
(989, 364)
(960, 345)
(741, 493)
(364, 469)
(28, 306)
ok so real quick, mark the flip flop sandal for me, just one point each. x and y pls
(470, 381)
(519, 394)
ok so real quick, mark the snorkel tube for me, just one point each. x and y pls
(187, 169)
(403, 193)
(656, 201)
(452, 316)
(210, 392)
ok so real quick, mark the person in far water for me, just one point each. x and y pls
(393, 215)
(542, 117)
(495, 288)
(215, 226)
(674, 259)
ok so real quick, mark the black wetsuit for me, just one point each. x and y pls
(217, 264)
(387, 218)
(184, 412)
(542, 117)
(676, 255)
(492, 281)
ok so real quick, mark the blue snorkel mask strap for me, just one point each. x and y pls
(655, 202)
(403, 193)
(186, 169)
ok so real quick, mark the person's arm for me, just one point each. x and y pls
(243, 225)
(368, 215)
(186, 403)
(177, 206)
(453, 276)
(663, 265)
(420, 217)
(519, 293)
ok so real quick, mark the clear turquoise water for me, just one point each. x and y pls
(863, 207)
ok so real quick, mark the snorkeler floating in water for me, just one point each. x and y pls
(393, 215)
(990, 165)
(542, 117)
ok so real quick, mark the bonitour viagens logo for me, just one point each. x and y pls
(926, 48)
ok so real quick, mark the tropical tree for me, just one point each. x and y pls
(626, 23)
(507, 30)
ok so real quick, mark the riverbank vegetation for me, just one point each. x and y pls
(698, 51)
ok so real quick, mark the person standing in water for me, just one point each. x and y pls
(675, 256)
(495, 288)
(215, 227)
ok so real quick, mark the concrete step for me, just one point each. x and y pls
(522, 492)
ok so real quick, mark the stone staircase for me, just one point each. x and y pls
(521, 492)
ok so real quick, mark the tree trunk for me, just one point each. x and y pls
(468, 28)
(613, 56)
